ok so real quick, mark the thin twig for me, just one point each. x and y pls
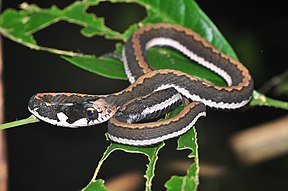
(31, 119)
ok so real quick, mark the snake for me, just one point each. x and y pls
(134, 113)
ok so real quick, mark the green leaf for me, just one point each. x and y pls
(190, 181)
(20, 26)
(99, 66)
(76, 13)
(38, 19)
(12, 25)
(186, 13)
(161, 58)
(96, 185)
(157, 11)
(150, 152)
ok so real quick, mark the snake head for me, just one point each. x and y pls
(70, 110)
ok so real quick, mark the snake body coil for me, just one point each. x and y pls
(152, 92)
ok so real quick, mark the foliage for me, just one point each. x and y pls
(20, 26)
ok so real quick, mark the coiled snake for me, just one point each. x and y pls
(152, 93)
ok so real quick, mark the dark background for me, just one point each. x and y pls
(47, 158)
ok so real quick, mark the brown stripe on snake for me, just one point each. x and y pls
(155, 132)
(187, 85)
(151, 125)
(152, 92)
(194, 43)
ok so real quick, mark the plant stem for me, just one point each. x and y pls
(31, 119)
(42, 48)
(261, 100)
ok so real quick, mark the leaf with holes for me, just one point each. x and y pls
(31, 19)
(150, 152)
(96, 185)
(20, 26)
(190, 181)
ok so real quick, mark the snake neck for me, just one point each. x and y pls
(105, 106)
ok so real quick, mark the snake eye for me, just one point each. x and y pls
(91, 112)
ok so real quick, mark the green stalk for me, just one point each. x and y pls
(31, 119)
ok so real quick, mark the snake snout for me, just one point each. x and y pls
(31, 103)
(34, 103)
